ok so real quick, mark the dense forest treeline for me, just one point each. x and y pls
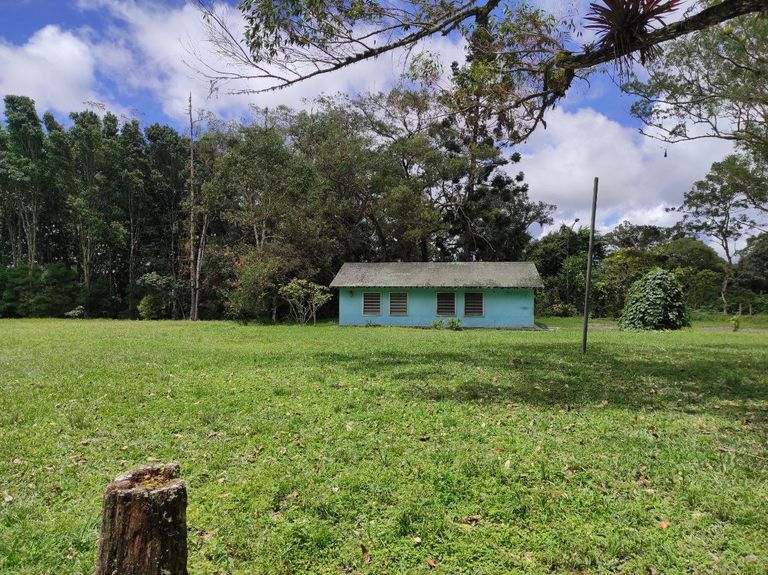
(107, 218)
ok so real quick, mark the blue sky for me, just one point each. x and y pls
(133, 56)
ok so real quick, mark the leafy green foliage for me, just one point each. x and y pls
(43, 291)
(304, 298)
(752, 270)
(642, 237)
(561, 309)
(615, 276)
(655, 302)
(78, 312)
(254, 289)
(561, 259)
(150, 307)
(159, 294)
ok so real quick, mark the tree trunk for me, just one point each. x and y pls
(723, 292)
(144, 525)
(192, 220)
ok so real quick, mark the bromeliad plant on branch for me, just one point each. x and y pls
(520, 60)
(623, 25)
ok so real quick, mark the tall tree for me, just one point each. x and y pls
(167, 154)
(718, 208)
(133, 181)
(642, 237)
(96, 217)
(59, 177)
(753, 264)
(21, 167)
(10, 245)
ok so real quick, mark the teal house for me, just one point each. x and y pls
(480, 294)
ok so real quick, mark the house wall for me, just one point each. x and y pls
(504, 308)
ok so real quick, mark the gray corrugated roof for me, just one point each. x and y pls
(439, 274)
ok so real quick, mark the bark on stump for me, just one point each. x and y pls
(144, 523)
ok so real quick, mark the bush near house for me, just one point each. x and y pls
(655, 302)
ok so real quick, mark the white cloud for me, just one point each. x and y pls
(55, 67)
(636, 181)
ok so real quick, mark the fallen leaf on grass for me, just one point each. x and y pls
(416, 540)
(471, 520)
(663, 524)
(8, 498)
(431, 563)
(366, 554)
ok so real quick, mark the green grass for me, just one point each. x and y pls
(301, 444)
(701, 319)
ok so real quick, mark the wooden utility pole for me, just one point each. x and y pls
(144, 523)
(589, 270)
(193, 287)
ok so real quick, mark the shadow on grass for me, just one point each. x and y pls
(692, 379)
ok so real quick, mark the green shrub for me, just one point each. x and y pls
(162, 289)
(655, 301)
(253, 291)
(305, 298)
(454, 324)
(562, 309)
(150, 307)
(43, 291)
(77, 313)
(438, 324)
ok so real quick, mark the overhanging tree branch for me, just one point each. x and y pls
(521, 58)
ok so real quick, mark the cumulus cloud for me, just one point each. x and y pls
(636, 180)
(55, 67)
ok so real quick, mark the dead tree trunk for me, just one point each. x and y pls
(144, 524)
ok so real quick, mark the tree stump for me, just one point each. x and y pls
(144, 523)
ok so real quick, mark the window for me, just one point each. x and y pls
(398, 303)
(371, 303)
(473, 304)
(446, 303)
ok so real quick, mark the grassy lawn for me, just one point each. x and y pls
(485, 452)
